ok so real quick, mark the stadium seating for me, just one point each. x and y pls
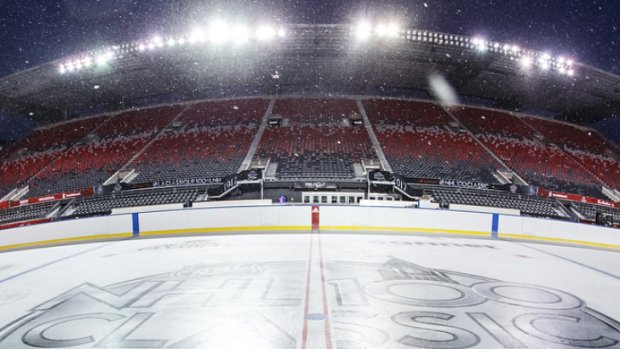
(55, 137)
(16, 172)
(530, 205)
(586, 147)
(386, 112)
(491, 122)
(589, 211)
(522, 149)
(417, 143)
(546, 166)
(137, 122)
(569, 136)
(102, 152)
(315, 140)
(104, 204)
(24, 213)
(85, 166)
(605, 168)
(209, 139)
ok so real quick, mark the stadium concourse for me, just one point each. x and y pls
(312, 290)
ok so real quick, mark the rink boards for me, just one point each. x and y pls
(303, 218)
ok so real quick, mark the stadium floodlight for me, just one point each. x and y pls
(157, 41)
(526, 62)
(197, 36)
(571, 72)
(77, 64)
(389, 30)
(87, 61)
(104, 58)
(69, 66)
(240, 34)
(218, 32)
(363, 30)
(569, 62)
(265, 33)
(381, 30)
(281, 33)
(151, 46)
(480, 44)
(141, 47)
(171, 42)
(62, 69)
(181, 41)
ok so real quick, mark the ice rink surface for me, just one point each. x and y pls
(310, 291)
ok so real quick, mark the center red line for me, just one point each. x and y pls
(328, 334)
(304, 332)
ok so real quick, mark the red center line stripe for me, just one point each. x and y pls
(328, 334)
(304, 333)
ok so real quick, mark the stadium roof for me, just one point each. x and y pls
(345, 59)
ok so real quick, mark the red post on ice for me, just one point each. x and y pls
(315, 218)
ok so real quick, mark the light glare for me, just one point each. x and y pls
(241, 34)
(265, 33)
(218, 32)
(526, 62)
(363, 30)
(197, 35)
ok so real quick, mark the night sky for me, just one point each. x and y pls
(38, 31)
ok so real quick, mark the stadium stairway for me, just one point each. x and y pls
(141, 151)
(373, 137)
(259, 135)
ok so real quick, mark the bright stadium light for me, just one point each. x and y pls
(363, 30)
(77, 64)
(570, 72)
(171, 42)
(265, 33)
(104, 58)
(158, 41)
(141, 47)
(281, 33)
(381, 30)
(392, 30)
(218, 32)
(69, 66)
(87, 61)
(62, 69)
(240, 34)
(526, 62)
(480, 44)
(197, 36)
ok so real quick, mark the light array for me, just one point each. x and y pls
(218, 33)
(526, 58)
(223, 34)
